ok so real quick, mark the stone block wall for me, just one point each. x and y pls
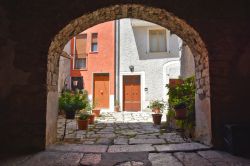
(219, 41)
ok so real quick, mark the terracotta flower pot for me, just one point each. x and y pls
(96, 112)
(157, 118)
(83, 124)
(117, 108)
(156, 110)
(70, 114)
(91, 119)
(180, 113)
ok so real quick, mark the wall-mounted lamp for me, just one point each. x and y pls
(131, 68)
(75, 83)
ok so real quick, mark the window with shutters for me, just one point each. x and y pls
(94, 42)
(157, 40)
(80, 52)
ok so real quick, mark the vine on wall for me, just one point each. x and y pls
(184, 92)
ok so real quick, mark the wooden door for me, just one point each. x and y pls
(101, 90)
(132, 93)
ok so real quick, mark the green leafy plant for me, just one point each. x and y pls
(180, 106)
(73, 101)
(83, 116)
(89, 107)
(157, 104)
(183, 95)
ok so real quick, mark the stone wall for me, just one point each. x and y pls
(187, 62)
(28, 76)
(167, 20)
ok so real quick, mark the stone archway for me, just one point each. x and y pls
(154, 15)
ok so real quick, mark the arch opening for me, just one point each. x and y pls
(154, 15)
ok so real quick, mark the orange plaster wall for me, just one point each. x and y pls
(102, 61)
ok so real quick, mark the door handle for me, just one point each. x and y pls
(101, 91)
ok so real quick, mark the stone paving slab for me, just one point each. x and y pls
(79, 148)
(146, 141)
(125, 159)
(163, 159)
(191, 159)
(104, 141)
(103, 135)
(54, 158)
(145, 136)
(181, 147)
(6, 160)
(65, 158)
(172, 138)
(121, 141)
(131, 148)
(90, 159)
(222, 158)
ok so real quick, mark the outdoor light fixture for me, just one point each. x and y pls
(131, 68)
(75, 83)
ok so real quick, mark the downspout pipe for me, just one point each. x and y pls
(117, 59)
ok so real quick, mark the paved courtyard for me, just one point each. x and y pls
(116, 129)
(125, 139)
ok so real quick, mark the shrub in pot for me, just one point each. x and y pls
(180, 111)
(182, 93)
(83, 121)
(157, 107)
(157, 118)
(92, 115)
(70, 102)
(96, 111)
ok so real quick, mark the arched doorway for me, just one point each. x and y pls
(154, 15)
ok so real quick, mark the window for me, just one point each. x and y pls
(157, 40)
(94, 43)
(80, 51)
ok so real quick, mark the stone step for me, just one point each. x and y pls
(146, 141)
(184, 147)
(131, 148)
(79, 148)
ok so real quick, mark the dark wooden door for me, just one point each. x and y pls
(101, 90)
(132, 93)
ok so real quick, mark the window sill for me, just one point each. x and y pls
(80, 69)
(93, 52)
(158, 52)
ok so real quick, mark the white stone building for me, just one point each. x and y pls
(148, 56)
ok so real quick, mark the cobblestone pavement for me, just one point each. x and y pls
(116, 129)
(125, 139)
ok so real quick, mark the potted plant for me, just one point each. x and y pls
(91, 115)
(96, 111)
(70, 102)
(117, 106)
(180, 111)
(157, 107)
(83, 121)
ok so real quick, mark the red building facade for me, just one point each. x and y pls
(93, 64)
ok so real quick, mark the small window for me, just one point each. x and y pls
(94, 43)
(80, 51)
(157, 40)
(80, 63)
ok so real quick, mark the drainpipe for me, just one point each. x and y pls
(117, 59)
